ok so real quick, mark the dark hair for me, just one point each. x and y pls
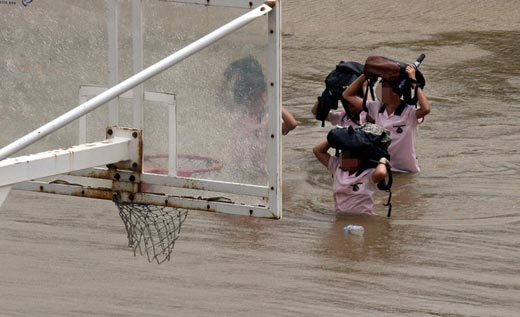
(247, 80)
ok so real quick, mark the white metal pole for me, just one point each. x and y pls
(113, 60)
(133, 81)
(137, 55)
(82, 121)
(23, 168)
(274, 100)
(172, 139)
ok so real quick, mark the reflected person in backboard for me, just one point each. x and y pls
(244, 81)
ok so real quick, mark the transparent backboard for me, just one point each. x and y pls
(49, 48)
(221, 112)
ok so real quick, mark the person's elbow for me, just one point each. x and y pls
(425, 110)
(288, 126)
(379, 175)
(316, 151)
(314, 109)
(353, 100)
(291, 125)
(346, 95)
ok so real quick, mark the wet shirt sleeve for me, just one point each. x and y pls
(333, 164)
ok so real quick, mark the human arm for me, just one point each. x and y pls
(351, 94)
(315, 108)
(424, 108)
(320, 150)
(288, 121)
(381, 171)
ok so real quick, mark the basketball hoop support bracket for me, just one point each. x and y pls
(127, 184)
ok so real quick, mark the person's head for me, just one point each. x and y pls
(350, 161)
(388, 92)
(245, 78)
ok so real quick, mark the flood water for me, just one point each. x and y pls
(451, 247)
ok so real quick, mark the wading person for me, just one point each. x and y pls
(245, 78)
(393, 113)
(245, 84)
(354, 182)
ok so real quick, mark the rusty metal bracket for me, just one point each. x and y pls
(122, 181)
(271, 3)
(136, 148)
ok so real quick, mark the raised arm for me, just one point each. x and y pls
(351, 94)
(320, 150)
(422, 100)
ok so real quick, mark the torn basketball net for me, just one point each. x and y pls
(151, 230)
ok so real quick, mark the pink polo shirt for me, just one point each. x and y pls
(403, 129)
(352, 194)
(339, 118)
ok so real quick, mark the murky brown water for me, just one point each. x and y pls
(451, 247)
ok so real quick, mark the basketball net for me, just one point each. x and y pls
(151, 230)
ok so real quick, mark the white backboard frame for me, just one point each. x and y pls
(270, 194)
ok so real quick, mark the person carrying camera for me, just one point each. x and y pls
(394, 114)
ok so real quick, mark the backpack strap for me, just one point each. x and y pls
(354, 118)
(389, 204)
(387, 186)
(370, 87)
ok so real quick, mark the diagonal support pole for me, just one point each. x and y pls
(133, 81)
(34, 166)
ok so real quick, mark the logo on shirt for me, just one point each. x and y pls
(355, 187)
(399, 128)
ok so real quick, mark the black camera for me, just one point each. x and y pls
(405, 81)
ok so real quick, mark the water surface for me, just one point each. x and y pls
(451, 247)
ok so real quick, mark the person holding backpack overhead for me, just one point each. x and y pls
(355, 174)
(400, 117)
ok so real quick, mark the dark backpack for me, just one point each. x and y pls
(370, 142)
(336, 82)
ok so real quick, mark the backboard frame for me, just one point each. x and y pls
(270, 193)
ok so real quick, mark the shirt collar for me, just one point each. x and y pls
(398, 111)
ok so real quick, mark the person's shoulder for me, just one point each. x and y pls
(374, 104)
(410, 111)
(334, 117)
(373, 107)
(333, 163)
(370, 175)
(368, 172)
